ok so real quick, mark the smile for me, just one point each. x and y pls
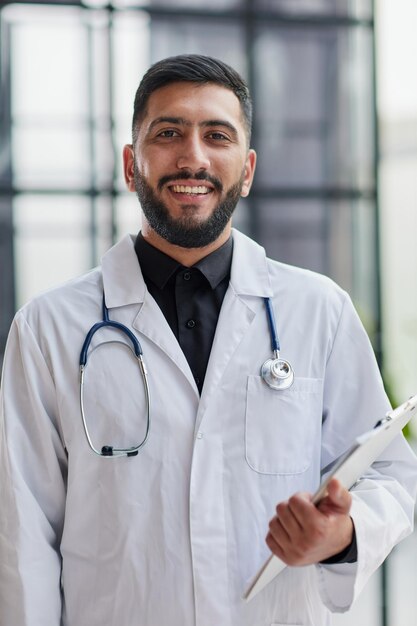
(191, 190)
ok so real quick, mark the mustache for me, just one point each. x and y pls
(187, 175)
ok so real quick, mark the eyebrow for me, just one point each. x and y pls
(181, 121)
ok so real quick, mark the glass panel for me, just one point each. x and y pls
(402, 571)
(131, 59)
(97, 60)
(333, 238)
(242, 216)
(399, 258)
(52, 241)
(123, 135)
(50, 157)
(351, 8)
(314, 107)
(104, 159)
(294, 232)
(364, 262)
(200, 36)
(62, 101)
(128, 215)
(49, 67)
(181, 4)
(102, 219)
(49, 98)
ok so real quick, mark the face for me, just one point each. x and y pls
(191, 163)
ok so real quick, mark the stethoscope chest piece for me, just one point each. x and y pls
(277, 373)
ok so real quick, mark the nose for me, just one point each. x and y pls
(193, 154)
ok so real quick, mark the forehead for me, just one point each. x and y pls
(194, 102)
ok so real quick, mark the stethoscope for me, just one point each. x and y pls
(277, 373)
(134, 345)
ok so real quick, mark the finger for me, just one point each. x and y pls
(278, 531)
(277, 538)
(303, 510)
(274, 546)
(288, 520)
(279, 541)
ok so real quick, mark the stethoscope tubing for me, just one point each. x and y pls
(109, 451)
(277, 373)
(272, 327)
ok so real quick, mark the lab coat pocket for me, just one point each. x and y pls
(283, 426)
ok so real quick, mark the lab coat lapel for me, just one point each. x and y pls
(151, 322)
(249, 283)
(124, 285)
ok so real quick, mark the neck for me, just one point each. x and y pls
(185, 256)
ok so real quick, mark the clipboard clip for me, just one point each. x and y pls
(384, 420)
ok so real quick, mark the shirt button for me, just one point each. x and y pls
(186, 275)
(190, 324)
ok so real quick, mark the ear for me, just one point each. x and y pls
(249, 172)
(129, 166)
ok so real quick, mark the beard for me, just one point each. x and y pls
(186, 231)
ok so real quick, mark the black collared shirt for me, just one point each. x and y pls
(189, 297)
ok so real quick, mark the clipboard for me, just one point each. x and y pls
(347, 469)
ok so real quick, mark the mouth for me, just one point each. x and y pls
(191, 190)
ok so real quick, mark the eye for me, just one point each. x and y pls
(168, 133)
(218, 136)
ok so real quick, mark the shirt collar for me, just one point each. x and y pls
(216, 266)
(159, 267)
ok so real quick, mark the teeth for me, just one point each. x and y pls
(188, 189)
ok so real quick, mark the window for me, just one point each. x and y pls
(69, 74)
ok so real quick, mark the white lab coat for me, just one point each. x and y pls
(173, 535)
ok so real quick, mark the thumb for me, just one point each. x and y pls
(338, 496)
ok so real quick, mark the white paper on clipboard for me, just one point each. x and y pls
(348, 469)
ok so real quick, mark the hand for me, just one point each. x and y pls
(302, 533)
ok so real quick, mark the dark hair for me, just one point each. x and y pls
(193, 68)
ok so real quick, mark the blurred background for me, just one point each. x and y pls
(335, 98)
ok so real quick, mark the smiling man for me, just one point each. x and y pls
(116, 515)
(189, 166)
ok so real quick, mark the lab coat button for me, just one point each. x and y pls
(199, 435)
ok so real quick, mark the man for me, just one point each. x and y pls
(173, 531)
